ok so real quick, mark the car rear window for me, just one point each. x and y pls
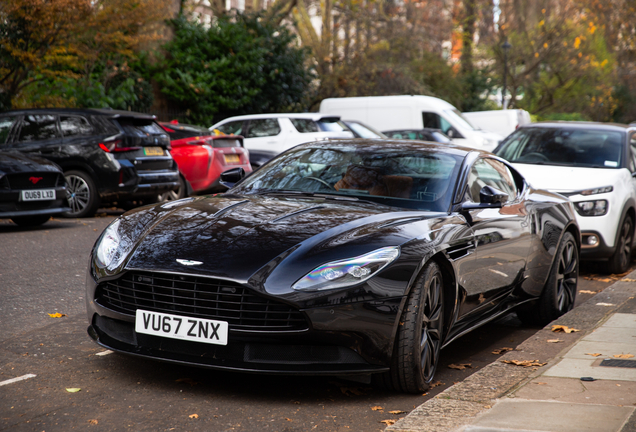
(225, 142)
(331, 125)
(262, 128)
(75, 125)
(304, 125)
(180, 131)
(5, 128)
(139, 127)
(564, 146)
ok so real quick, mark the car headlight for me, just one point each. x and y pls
(600, 190)
(591, 208)
(108, 252)
(352, 271)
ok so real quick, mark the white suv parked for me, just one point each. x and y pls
(267, 135)
(594, 164)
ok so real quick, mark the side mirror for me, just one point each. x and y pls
(232, 176)
(451, 133)
(489, 197)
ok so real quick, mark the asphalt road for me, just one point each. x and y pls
(42, 272)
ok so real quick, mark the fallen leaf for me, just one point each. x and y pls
(605, 304)
(396, 412)
(376, 408)
(57, 315)
(388, 422)
(93, 421)
(587, 292)
(288, 419)
(539, 383)
(73, 389)
(628, 280)
(554, 340)
(436, 384)
(348, 391)
(524, 363)
(623, 355)
(194, 416)
(461, 366)
(564, 329)
(187, 380)
(594, 354)
(502, 350)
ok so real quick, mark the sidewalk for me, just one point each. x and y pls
(503, 397)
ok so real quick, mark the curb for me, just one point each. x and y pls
(461, 403)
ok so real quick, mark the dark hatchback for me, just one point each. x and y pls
(107, 155)
(31, 189)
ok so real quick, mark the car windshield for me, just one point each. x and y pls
(564, 146)
(459, 118)
(416, 177)
(363, 131)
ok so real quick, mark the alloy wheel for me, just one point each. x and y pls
(430, 342)
(78, 193)
(567, 277)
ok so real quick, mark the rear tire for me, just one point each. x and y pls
(174, 194)
(559, 293)
(81, 193)
(419, 338)
(622, 258)
(31, 221)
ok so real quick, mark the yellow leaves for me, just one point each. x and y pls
(57, 315)
(577, 42)
(194, 416)
(396, 412)
(564, 329)
(536, 55)
(591, 28)
(376, 408)
(524, 363)
(545, 45)
(73, 389)
(604, 63)
(541, 23)
(502, 350)
(460, 366)
(594, 354)
(543, 11)
(554, 340)
(587, 292)
(388, 422)
(622, 356)
(93, 421)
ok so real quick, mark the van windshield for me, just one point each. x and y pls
(459, 118)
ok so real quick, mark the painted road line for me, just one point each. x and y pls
(14, 380)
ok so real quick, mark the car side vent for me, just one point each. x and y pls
(460, 250)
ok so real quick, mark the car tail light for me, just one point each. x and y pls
(115, 146)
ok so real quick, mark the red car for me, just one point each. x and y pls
(203, 157)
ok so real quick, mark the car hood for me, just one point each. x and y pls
(12, 163)
(235, 237)
(568, 179)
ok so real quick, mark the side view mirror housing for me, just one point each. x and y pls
(232, 176)
(489, 197)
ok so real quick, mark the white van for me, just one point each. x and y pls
(411, 112)
(503, 122)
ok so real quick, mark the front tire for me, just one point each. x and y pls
(622, 258)
(419, 338)
(559, 293)
(81, 193)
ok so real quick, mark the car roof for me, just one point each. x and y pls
(579, 125)
(87, 111)
(410, 145)
(309, 116)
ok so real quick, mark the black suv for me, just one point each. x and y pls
(107, 155)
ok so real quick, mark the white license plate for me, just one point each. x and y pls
(38, 195)
(181, 327)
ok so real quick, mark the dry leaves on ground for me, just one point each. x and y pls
(376, 408)
(57, 315)
(524, 363)
(460, 366)
(564, 329)
(539, 383)
(587, 292)
(594, 354)
(554, 340)
(502, 350)
(93, 421)
(623, 356)
(396, 412)
(436, 384)
(73, 389)
(388, 422)
(194, 416)
(628, 280)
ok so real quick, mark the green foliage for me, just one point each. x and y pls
(561, 116)
(239, 65)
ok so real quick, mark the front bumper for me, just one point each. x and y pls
(11, 206)
(599, 251)
(348, 339)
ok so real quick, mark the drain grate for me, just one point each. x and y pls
(619, 363)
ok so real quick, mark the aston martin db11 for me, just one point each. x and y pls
(342, 258)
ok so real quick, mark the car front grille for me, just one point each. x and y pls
(200, 297)
(35, 180)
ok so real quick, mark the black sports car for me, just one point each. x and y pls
(32, 189)
(353, 257)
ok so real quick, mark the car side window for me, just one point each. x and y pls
(38, 127)
(435, 121)
(262, 128)
(632, 146)
(232, 128)
(489, 172)
(304, 125)
(74, 125)
(5, 128)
